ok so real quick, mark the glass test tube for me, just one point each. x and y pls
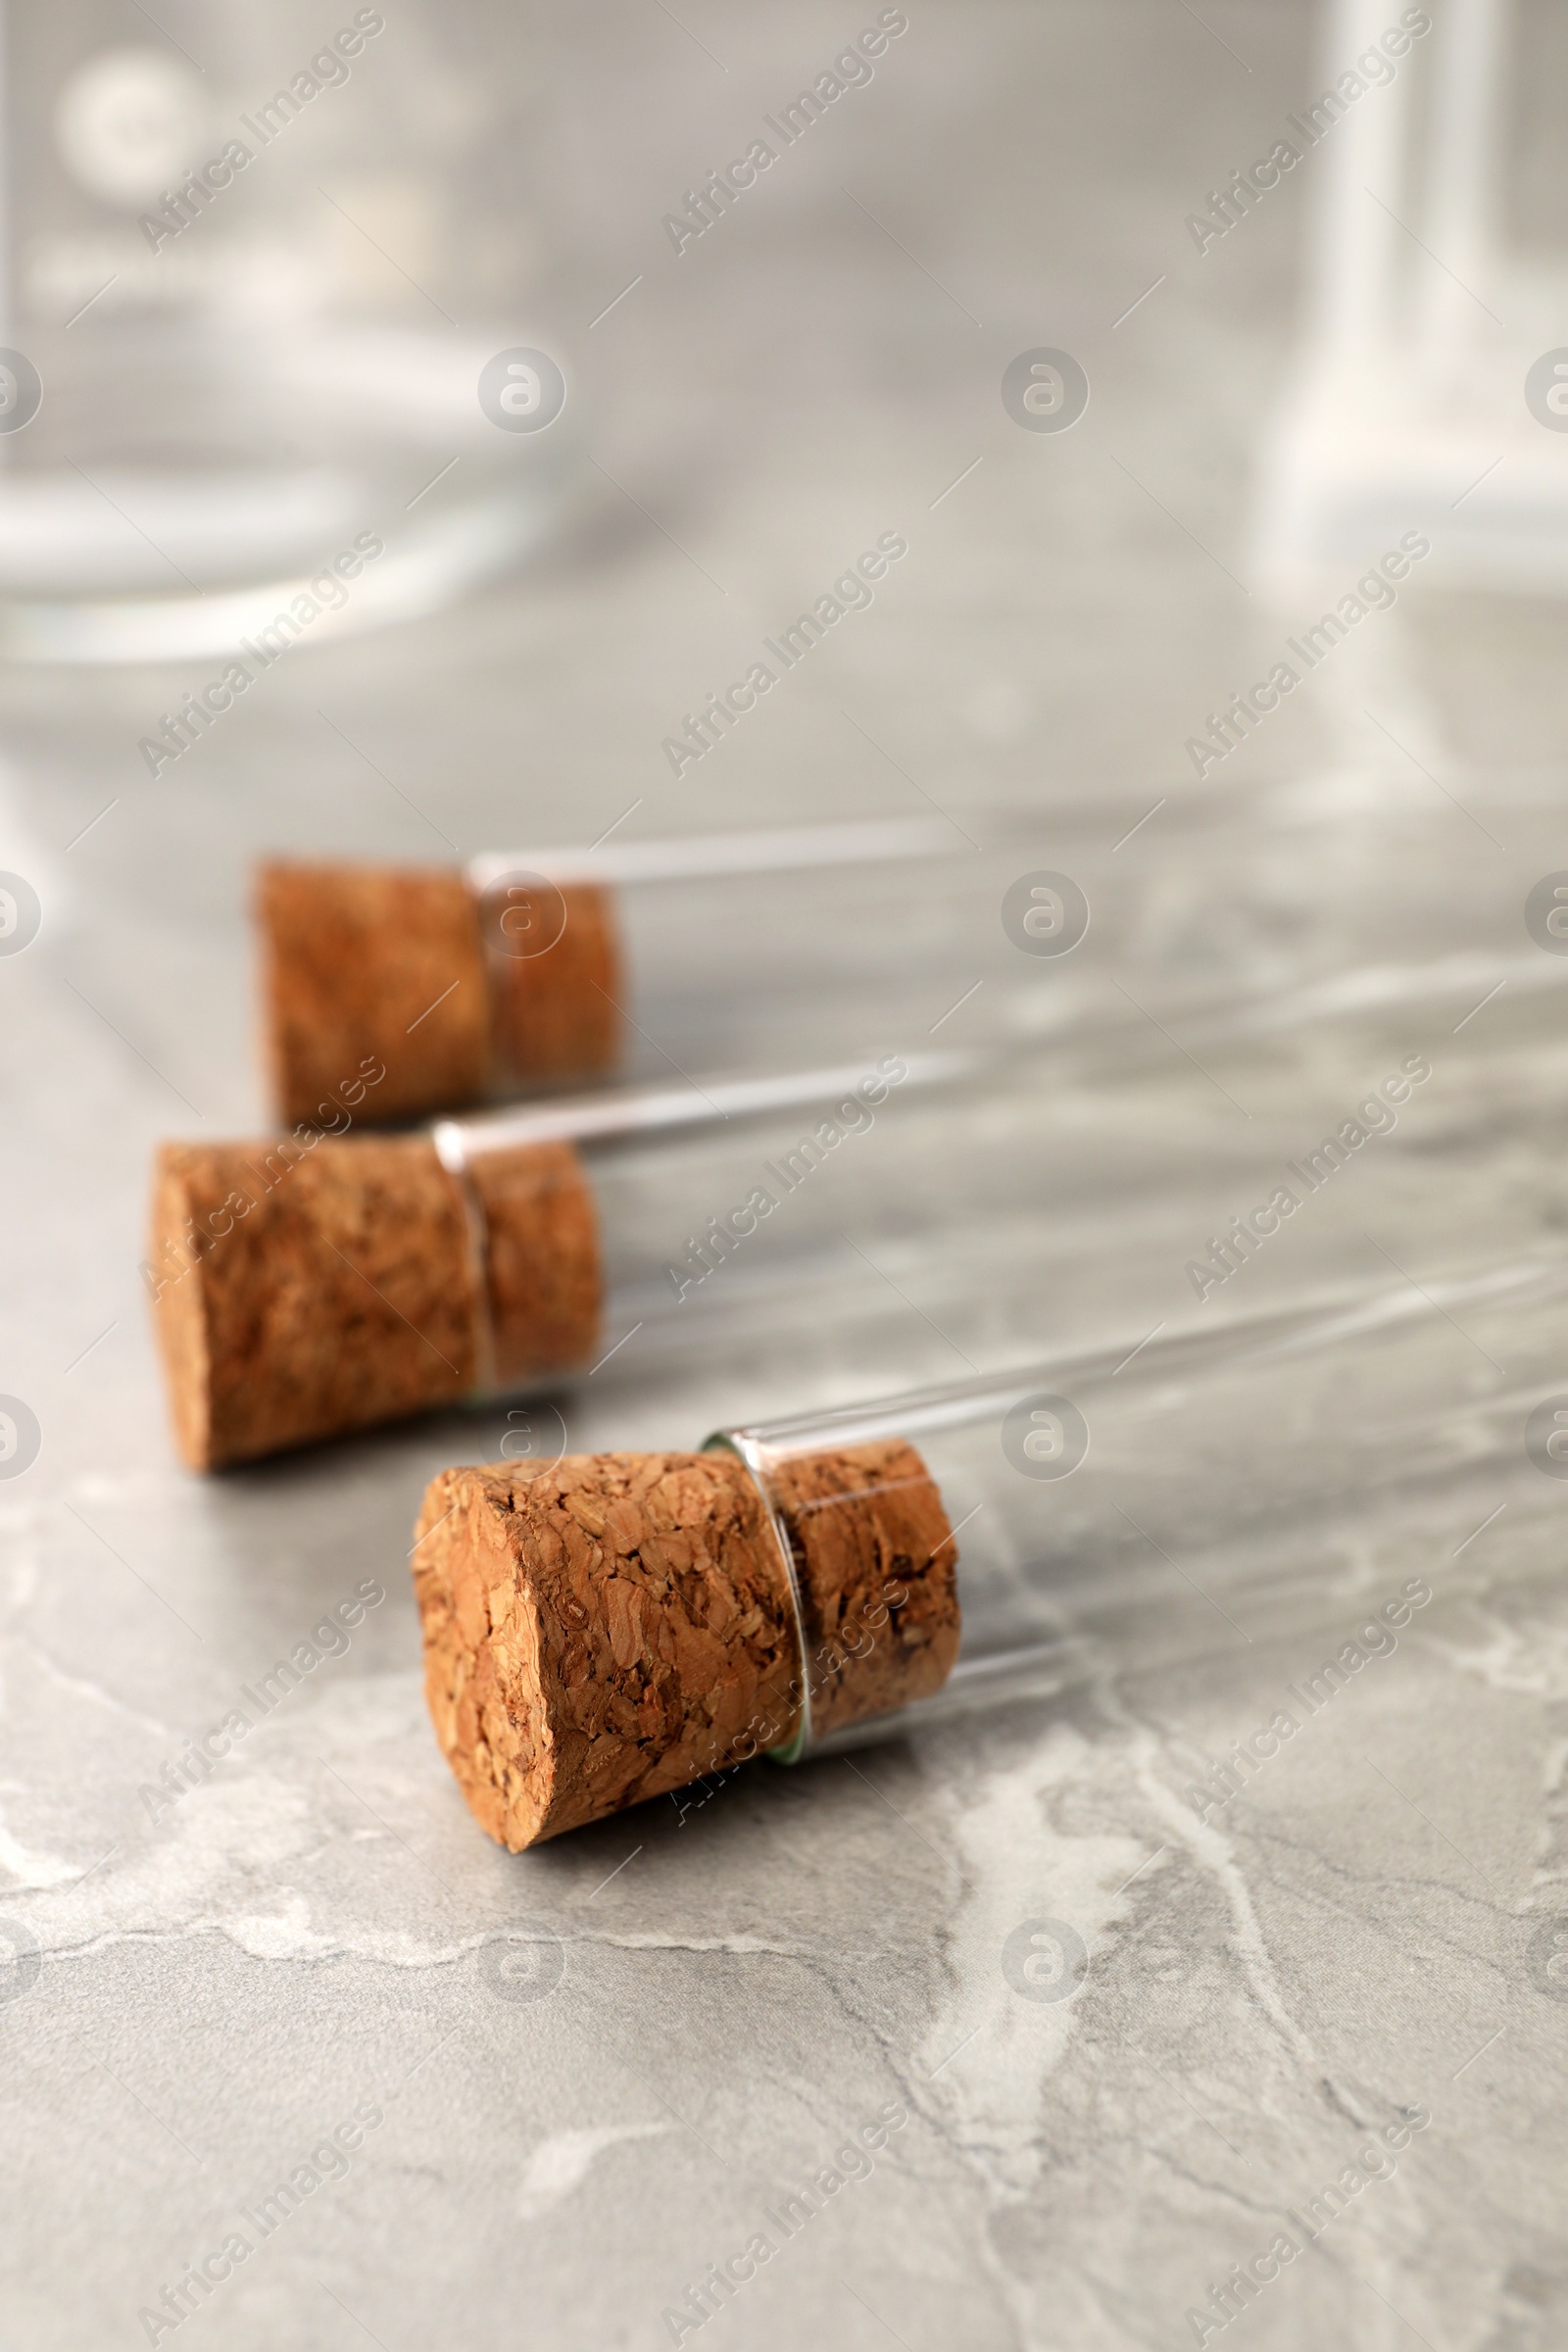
(871, 1571)
(303, 1289)
(1083, 926)
(323, 1283)
(524, 970)
(1136, 1510)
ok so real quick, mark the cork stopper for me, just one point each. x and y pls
(598, 1630)
(408, 969)
(875, 1567)
(368, 964)
(541, 1248)
(557, 1013)
(303, 1289)
(610, 1626)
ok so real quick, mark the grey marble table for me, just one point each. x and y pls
(535, 2100)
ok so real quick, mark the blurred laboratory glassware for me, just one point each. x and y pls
(1428, 390)
(259, 272)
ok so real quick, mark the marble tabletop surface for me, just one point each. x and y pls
(540, 2099)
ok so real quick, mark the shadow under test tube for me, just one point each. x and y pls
(869, 1571)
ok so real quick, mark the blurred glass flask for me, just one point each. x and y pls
(269, 292)
(1428, 386)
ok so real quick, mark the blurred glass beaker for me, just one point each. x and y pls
(271, 311)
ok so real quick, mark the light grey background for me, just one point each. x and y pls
(748, 1981)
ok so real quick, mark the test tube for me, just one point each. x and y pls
(609, 1628)
(310, 1285)
(313, 1285)
(523, 969)
(1089, 926)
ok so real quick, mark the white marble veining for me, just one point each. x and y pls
(600, 2068)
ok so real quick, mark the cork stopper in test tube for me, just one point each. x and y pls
(313, 1285)
(466, 982)
(607, 1628)
(610, 1626)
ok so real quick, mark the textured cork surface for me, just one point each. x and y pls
(612, 1626)
(599, 1629)
(543, 1273)
(303, 1292)
(877, 1571)
(301, 1296)
(557, 1015)
(403, 967)
(362, 961)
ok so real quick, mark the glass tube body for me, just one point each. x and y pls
(693, 1176)
(762, 950)
(991, 1190)
(1243, 918)
(1195, 934)
(522, 972)
(1125, 1509)
(974, 1206)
